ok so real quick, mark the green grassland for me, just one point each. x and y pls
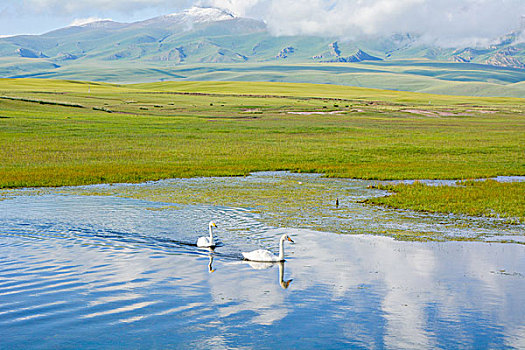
(55, 133)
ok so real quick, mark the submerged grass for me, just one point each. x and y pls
(308, 201)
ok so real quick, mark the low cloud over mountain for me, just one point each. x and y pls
(445, 23)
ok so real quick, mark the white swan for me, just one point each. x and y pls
(207, 242)
(262, 255)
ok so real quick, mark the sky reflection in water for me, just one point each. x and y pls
(92, 272)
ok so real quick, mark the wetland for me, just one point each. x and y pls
(105, 188)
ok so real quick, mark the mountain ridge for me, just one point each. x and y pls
(207, 36)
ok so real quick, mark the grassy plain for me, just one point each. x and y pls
(55, 133)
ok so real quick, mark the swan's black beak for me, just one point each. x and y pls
(290, 240)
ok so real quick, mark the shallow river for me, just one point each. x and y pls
(105, 271)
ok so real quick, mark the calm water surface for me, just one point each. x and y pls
(96, 272)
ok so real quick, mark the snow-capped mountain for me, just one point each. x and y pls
(202, 36)
(188, 17)
(201, 14)
(213, 35)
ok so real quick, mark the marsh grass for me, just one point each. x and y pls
(303, 201)
(477, 198)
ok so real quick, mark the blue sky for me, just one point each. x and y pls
(446, 22)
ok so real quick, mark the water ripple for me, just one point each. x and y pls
(111, 272)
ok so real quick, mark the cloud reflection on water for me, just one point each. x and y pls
(413, 279)
(355, 290)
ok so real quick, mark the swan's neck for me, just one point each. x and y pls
(211, 234)
(281, 249)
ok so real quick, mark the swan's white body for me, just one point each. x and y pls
(262, 255)
(207, 242)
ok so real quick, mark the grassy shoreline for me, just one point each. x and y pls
(57, 133)
(487, 198)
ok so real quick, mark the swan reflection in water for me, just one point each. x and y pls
(210, 259)
(266, 265)
(210, 267)
(257, 266)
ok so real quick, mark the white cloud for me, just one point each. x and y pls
(83, 21)
(443, 22)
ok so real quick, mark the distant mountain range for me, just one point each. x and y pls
(211, 37)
